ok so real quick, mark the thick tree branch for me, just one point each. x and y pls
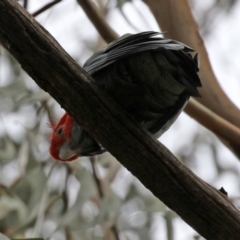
(201, 206)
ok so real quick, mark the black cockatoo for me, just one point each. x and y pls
(150, 77)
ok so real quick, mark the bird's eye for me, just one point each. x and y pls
(59, 131)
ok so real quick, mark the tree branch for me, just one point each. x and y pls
(107, 33)
(201, 206)
(95, 176)
(176, 18)
(45, 7)
(25, 4)
(101, 194)
(217, 124)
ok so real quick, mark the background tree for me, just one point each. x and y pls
(27, 174)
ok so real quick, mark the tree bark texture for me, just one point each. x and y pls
(204, 208)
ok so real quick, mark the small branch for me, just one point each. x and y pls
(211, 120)
(97, 180)
(113, 170)
(100, 192)
(169, 224)
(45, 7)
(115, 232)
(25, 4)
(107, 33)
(42, 207)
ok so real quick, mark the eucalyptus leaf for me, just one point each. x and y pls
(13, 90)
(37, 179)
(32, 187)
(87, 190)
(3, 237)
(9, 204)
(23, 156)
(153, 204)
(109, 209)
(7, 149)
(34, 96)
(7, 104)
(106, 159)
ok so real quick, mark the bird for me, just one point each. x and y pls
(150, 77)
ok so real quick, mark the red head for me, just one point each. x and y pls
(60, 138)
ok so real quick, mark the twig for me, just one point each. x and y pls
(45, 7)
(25, 4)
(100, 192)
(42, 206)
(217, 124)
(115, 232)
(107, 33)
(113, 169)
(169, 224)
(128, 20)
(97, 180)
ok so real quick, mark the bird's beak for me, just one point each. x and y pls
(65, 153)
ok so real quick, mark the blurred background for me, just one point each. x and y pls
(98, 198)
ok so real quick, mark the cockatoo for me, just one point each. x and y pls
(150, 77)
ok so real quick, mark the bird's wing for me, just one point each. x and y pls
(130, 44)
(117, 68)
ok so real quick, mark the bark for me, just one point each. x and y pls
(204, 208)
